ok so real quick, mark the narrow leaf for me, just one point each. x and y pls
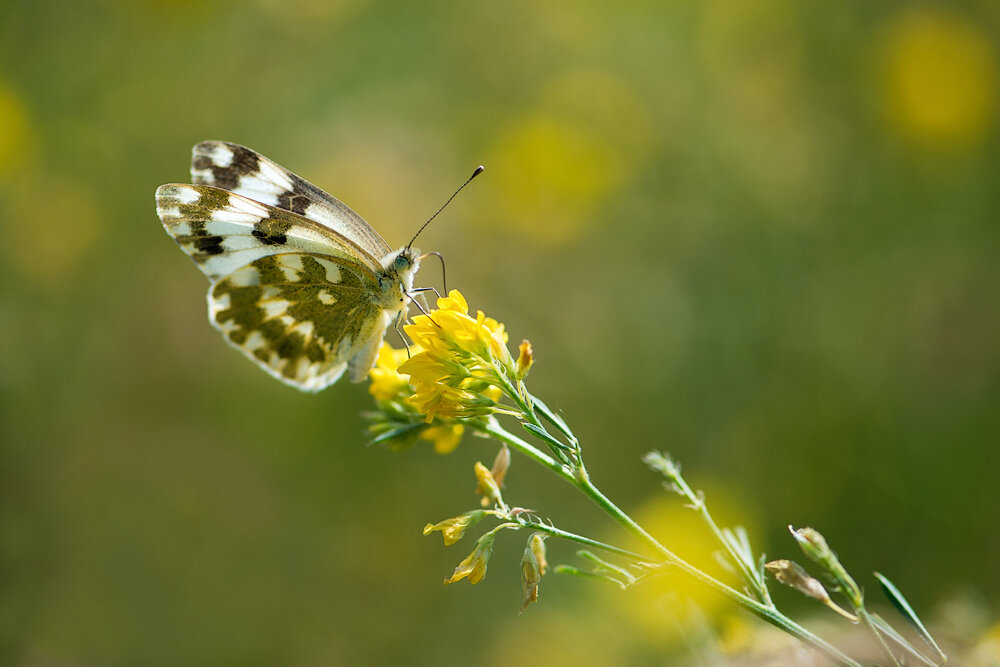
(740, 543)
(600, 562)
(577, 572)
(396, 433)
(904, 608)
(542, 434)
(882, 626)
(552, 418)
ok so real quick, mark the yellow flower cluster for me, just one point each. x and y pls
(457, 367)
(462, 361)
(388, 385)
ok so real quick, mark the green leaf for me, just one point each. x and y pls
(601, 563)
(552, 418)
(904, 608)
(542, 434)
(887, 630)
(576, 572)
(398, 432)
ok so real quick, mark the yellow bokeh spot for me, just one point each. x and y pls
(667, 608)
(940, 79)
(64, 214)
(14, 131)
(551, 175)
(736, 634)
(605, 102)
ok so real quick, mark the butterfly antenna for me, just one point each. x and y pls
(478, 171)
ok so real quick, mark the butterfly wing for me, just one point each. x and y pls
(298, 299)
(223, 231)
(304, 318)
(241, 170)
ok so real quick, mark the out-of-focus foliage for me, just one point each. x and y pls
(762, 236)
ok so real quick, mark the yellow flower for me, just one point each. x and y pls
(444, 437)
(453, 529)
(387, 383)
(493, 393)
(525, 359)
(450, 329)
(474, 565)
(462, 361)
(441, 400)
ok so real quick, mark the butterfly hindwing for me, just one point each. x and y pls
(241, 170)
(303, 318)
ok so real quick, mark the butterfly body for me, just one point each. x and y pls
(301, 284)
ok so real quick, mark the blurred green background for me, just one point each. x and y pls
(761, 236)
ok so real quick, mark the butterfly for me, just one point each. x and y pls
(301, 284)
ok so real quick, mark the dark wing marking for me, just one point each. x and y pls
(302, 318)
(244, 171)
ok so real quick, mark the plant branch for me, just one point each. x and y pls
(581, 480)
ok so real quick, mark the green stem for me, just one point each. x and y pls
(521, 397)
(581, 480)
(698, 503)
(866, 620)
(566, 535)
(493, 429)
(766, 613)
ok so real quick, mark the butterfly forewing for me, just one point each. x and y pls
(244, 171)
(222, 231)
(303, 318)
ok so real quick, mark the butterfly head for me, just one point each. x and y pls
(405, 261)
(401, 266)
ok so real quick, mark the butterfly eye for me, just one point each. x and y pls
(402, 262)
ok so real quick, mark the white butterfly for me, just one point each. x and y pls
(301, 284)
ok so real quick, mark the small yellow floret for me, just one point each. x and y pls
(445, 437)
(387, 383)
(450, 329)
(474, 565)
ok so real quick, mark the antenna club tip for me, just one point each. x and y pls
(480, 169)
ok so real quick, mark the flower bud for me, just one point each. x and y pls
(537, 542)
(533, 566)
(792, 574)
(525, 359)
(814, 545)
(500, 465)
(488, 487)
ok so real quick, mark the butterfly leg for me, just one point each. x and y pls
(421, 308)
(424, 290)
(399, 330)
